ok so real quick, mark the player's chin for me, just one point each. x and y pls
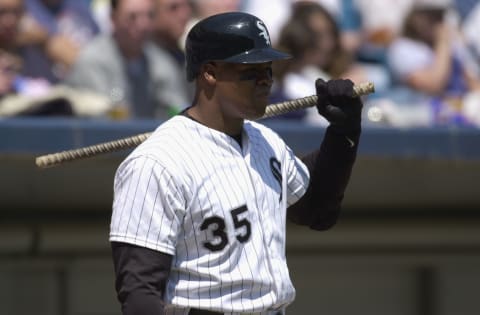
(258, 109)
(257, 105)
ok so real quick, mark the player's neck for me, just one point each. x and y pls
(216, 120)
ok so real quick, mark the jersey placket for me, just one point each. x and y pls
(266, 226)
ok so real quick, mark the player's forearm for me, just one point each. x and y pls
(330, 169)
(141, 276)
(141, 303)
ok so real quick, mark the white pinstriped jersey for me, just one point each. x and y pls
(219, 208)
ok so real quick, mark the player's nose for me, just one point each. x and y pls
(265, 77)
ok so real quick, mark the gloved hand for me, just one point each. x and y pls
(338, 105)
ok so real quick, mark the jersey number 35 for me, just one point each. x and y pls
(219, 226)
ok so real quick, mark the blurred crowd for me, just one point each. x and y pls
(124, 59)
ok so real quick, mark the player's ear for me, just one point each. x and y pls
(209, 72)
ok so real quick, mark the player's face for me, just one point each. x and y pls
(243, 89)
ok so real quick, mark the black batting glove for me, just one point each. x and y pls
(336, 102)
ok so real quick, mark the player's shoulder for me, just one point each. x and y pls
(167, 144)
(161, 155)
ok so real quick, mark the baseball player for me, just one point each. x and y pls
(200, 207)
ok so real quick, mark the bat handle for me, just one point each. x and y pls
(53, 159)
(309, 101)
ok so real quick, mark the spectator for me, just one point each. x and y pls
(16, 29)
(14, 104)
(9, 68)
(312, 37)
(276, 13)
(367, 29)
(170, 24)
(203, 8)
(369, 26)
(470, 28)
(16, 36)
(23, 96)
(19, 36)
(465, 7)
(11, 12)
(69, 25)
(101, 14)
(124, 67)
(430, 59)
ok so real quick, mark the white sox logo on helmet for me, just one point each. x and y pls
(264, 32)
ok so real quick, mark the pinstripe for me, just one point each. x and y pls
(262, 151)
(133, 200)
(208, 197)
(217, 144)
(143, 204)
(124, 203)
(230, 206)
(263, 249)
(204, 207)
(153, 208)
(252, 272)
(253, 147)
(186, 155)
(234, 144)
(249, 264)
(199, 174)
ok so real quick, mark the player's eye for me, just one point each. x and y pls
(256, 74)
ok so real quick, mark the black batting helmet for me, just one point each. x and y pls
(235, 37)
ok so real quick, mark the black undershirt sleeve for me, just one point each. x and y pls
(141, 276)
(330, 168)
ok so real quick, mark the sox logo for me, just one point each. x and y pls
(264, 32)
(276, 169)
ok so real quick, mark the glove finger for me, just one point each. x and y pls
(322, 93)
(341, 87)
(335, 115)
(321, 86)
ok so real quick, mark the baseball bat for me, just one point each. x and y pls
(53, 159)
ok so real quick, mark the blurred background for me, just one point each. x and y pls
(80, 72)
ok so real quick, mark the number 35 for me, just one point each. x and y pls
(219, 230)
